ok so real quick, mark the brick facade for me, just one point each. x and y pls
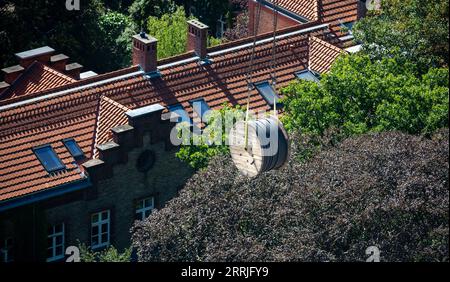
(266, 19)
(118, 183)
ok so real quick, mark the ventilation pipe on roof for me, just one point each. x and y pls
(145, 50)
(197, 38)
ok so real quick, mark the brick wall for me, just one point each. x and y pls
(266, 19)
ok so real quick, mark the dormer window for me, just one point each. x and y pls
(266, 90)
(179, 110)
(308, 75)
(73, 148)
(48, 158)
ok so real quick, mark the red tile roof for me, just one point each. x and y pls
(110, 115)
(37, 77)
(322, 54)
(334, 12)
(305, 8)
(84, 110)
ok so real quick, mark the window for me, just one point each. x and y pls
(308, 75)
(73, 148)
(6, 250)
(201, 108)
(55, 242)
(144, 208)
(266, 90)
(347, 26)
(48, 158)
(178, 109)
(100, 228)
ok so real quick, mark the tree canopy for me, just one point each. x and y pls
(361, 94)
(388, 190)
(415, 30)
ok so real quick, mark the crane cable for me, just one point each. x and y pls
(252, 60)
(274, 53)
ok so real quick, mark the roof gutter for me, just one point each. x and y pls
(46, 194)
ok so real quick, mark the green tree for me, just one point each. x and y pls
(360, 95)
(116, 31)
(198, 156)
(413, 29)
(140, 10)
(32, 24)
(171, 31)
(110, 254)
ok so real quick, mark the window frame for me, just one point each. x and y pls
(61, 166)
(268, 101)
(99, 224)
(140, 212)
(78, 156)
(6, 250)
(315, 76)
(54, 245)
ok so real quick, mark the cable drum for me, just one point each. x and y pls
(267, 146)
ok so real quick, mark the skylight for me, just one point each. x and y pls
(73, 148)
(266, 90)
(48, 158)
(307, 75)
(178, 109)
(201, 108)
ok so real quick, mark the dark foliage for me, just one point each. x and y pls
(388, 190)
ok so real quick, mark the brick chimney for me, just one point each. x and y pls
(145, 49)
(197, 38)
(73, 70)
(58, 62)
(12, 73)
(41, 54)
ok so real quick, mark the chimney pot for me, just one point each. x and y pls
(197, 38)
(145, 50)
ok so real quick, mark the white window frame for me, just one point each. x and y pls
(54, 245)
(140, 213)
(99, 224)
(5, 250)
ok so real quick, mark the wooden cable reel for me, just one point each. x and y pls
(267, 146)
(261, 145)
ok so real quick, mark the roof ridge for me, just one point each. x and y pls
(114, 103)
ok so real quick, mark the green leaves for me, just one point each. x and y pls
(171, 32)
(413, 30)
(360, 95)
(198, 156)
